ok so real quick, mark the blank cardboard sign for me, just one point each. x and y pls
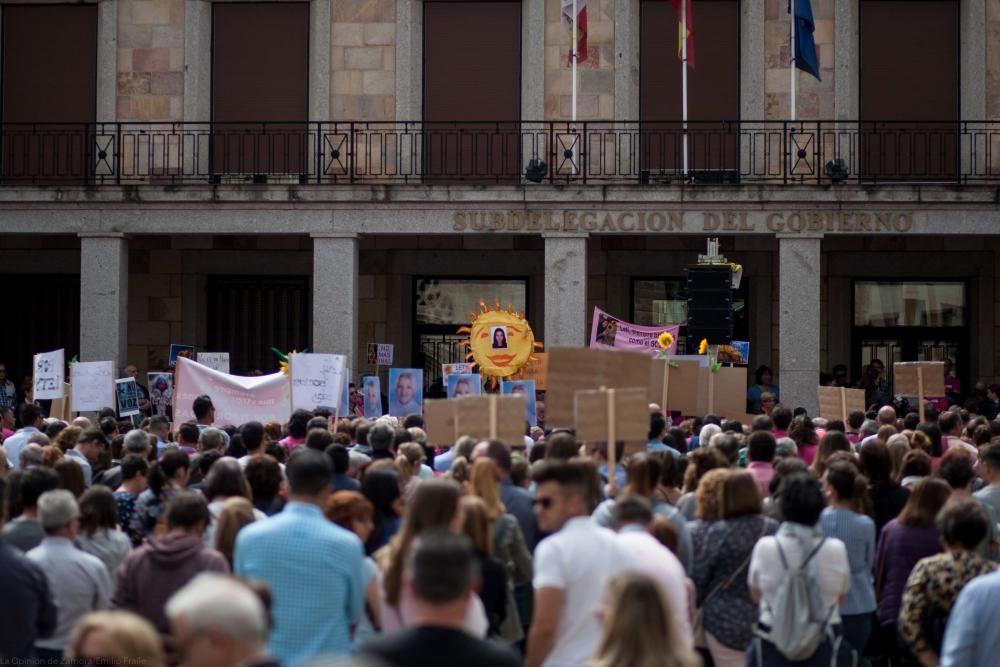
(838, 402)
(729, 387)
(630, 416)
(678, 386)
(573, 369)
(440, 421)
(492, 416)
(906, 380)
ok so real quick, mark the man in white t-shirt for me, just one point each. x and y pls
(632, 515)
(571, 566)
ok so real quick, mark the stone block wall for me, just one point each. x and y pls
(150, 78)
(363, 60)
(814, 99)
(595, 75)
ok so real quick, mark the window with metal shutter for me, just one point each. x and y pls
(472, 91)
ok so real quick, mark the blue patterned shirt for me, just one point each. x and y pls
(857, 532)
(315, 571)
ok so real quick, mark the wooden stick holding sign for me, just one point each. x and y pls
(612, 415)
(491, 416)
(919, 378)
(839, 402)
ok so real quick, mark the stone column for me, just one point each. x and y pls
(799, 320)
(104, 298)
(565, 289)
(335, 296)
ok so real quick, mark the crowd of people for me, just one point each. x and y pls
(787, 541)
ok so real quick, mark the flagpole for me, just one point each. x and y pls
(684, 81)
(575, 41)
(791, 9)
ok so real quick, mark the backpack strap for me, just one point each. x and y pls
(813, 552)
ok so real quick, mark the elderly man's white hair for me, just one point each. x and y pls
(39, 439)
(32, 455)
(218, 602)
(136, 441)
(211, 438)
(706, 433)
(56, 509)
(82, 422)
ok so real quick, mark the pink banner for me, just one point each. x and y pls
(237, 399)
(609, 332)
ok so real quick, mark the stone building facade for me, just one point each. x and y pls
(149, 253)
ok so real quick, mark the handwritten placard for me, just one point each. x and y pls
(48, 375)
(317, 380)
(93, 385)
(127, 392)
(217, 360)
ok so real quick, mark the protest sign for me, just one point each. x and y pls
(93, 385)
(608, 332)
(380, 354)
(612, 415)
(737, 352)
(839, 402)
(491, 416)
(47, 375)
(448, 369)
(237, 399)
(538, 370)
(317, 380)
(573, 368)
(527, 389)
(60, 406)
(406, 391)
(677, 385)
(461, 385)
(217, 360)
(161, 392)
(372, 396)
(727, 392)
(178, 350)
(920, 379)
(344, 408)
(440, 421)
(127, 392)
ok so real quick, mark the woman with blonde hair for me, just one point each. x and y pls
(236, 513)
(639, 630)
(509, 546)
(114, 637)
(409, 460)
(493, 591)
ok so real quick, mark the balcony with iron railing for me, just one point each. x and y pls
(500, 153)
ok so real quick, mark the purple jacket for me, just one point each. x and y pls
(899, 549)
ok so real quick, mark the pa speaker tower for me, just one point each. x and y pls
(710, 304)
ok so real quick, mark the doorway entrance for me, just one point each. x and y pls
(910, 321)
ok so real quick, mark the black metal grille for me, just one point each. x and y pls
(603, 152)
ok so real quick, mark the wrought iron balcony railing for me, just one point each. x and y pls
(500, 152)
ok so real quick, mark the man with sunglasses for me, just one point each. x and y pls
(571, 565)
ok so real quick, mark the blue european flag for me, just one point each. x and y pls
(805, 46)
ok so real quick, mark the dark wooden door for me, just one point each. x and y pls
(910, 90)
(49, 93)
(260, 89)
(472, 91)
(713, 88)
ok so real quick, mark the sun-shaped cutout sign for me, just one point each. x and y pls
(500, 341)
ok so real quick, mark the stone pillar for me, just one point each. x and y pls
(104, 298)
(565, 289)
(799, 320)
(335, 296)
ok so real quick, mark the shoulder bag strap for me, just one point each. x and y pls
(732, 577)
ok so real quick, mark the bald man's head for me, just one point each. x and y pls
(886, 416)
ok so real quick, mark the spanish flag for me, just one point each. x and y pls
(581, 28)
(689, 25)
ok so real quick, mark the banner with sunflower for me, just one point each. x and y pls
(609, 332)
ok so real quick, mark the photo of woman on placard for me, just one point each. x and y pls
(464, 384)
(373, 396)
(499, 338)
(527, 389)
